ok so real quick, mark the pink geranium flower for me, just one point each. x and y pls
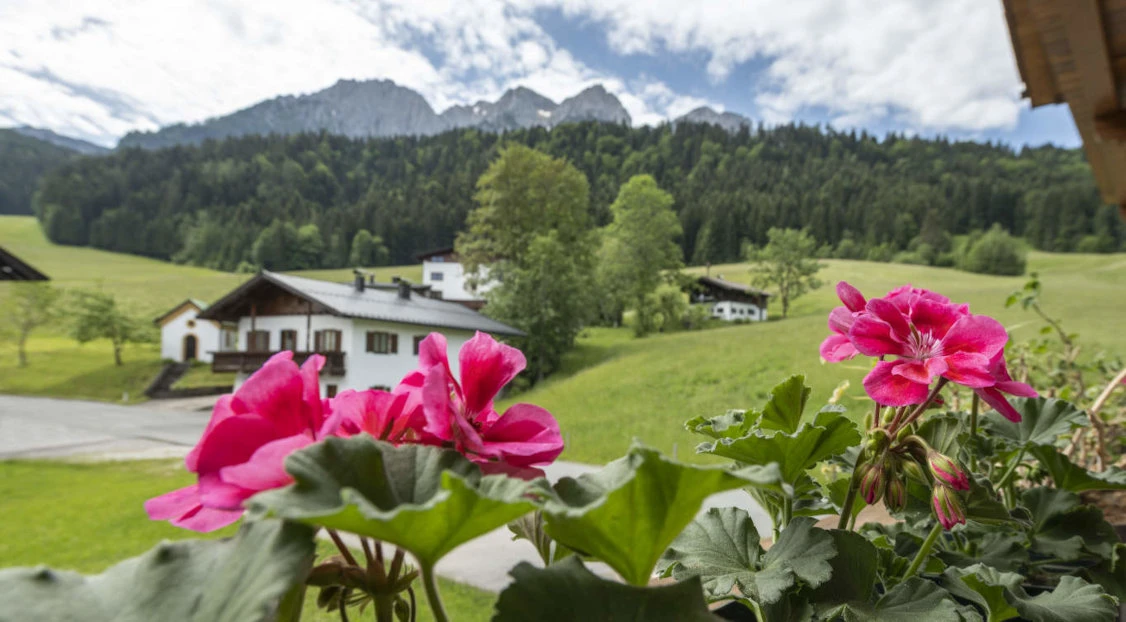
(1003, 383)
(243, 449)
(462, 413)
(395, 416)
(932, 338)
(838, 347)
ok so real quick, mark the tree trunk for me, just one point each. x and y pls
(23, 349)
(117, 355)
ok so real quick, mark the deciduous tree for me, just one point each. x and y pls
(96, 315)
(787, 264)
(31, 305)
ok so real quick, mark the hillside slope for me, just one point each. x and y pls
(647, 388)
(23, 160)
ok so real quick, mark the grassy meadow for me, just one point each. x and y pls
(96, 519)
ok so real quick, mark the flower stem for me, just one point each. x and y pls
(787, 511)
(340, 545)
(850, 498)
(1012, 469)
(432, 595)
(925, 551)
(922, 407)
(973, 429)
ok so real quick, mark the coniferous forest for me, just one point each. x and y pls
(288, 202)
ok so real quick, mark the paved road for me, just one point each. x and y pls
(44, 428)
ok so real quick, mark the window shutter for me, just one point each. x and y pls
(394, 344)
(339, 337)
(318, 337)
(370, 345)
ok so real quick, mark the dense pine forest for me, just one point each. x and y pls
(23, 160)
(222, 204)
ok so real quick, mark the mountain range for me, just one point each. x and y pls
(380, 108)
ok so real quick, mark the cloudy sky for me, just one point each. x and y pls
(96, 69)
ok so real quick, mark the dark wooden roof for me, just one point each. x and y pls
(1074, 52)
(447, 252)
(12, 268)
(731, 286)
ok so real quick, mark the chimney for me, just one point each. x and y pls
(404, 289)
(358, 281)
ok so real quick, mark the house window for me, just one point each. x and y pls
(418, 339)
(438, 259)
(326, 340)
(437, 276)
(289, 340)
(228, 341)
(380, 387)
(330, 390)
(258, 341)
(382, 343)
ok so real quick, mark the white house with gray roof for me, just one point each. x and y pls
(368, 333)
(185, 337)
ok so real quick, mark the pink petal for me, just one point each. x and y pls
(851, 297)
(934, 318)
(220, 495)
(173, 504)
(266, 468)
(503, 468)
(892, 316)
(470, 443)
(994, 398)
(873, 337)
(276, 392)
(1019, 389)
(486, 366)
(432, 351)
(437, 404)
(207, 519)
(233, 441)
(969, 369)
(837, 348)
(915, 371)
(840, 320)
(368, 410)
(978, 334)
(226, 407)
(525, 435)
(314, 413)
(889, 389)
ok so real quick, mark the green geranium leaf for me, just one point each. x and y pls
(1064, 529)
(722, 548)
(530, 527)
(984, 586)
(941, 432)
(422, 499)
(853, 574)
(913, 600)
(629, 512)
(787, 403)
(567, 591)
(1073, 600)
(1005, 551)
(731, 424)
(830, 434)
(1067, 475)
(982, 504)
(1111, 572)
(1043, 421)
(236, 579)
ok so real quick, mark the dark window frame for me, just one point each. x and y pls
(381, 342)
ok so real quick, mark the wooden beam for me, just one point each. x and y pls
(1111, 126)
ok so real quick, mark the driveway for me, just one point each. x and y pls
(33, 427)
(36, 427)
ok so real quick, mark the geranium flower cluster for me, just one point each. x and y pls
(278, 410)
(930, 338)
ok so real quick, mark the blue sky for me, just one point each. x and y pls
(100, 68)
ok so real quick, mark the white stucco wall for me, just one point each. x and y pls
(173, 332)
(363, 369)
(731, 311)
(452, 284)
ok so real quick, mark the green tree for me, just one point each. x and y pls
(531, 234)
(275, 248)
(994, 252)
(310, 250)
(30, 306)
(638, 246)
(786, 263)
(96, 315)
(367, 250)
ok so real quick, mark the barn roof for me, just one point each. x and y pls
(1074, 52)
(13, 268)
(371, 303)
(709, 281)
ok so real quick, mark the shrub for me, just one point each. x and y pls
(995, 252)
(908, 257)
(1095, 244)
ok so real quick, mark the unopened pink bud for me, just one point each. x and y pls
(872, 484)
(947, 508)
(947, 471)
(895, 496)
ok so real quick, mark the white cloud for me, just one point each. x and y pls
(99, 68)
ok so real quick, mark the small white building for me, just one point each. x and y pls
(185, 337)
(729, 301)
(369, 334)
(446, 276)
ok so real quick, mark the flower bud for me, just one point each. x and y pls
(895, 495)
(947, 471)
(914, 471)
(947, 507)
(872, 484)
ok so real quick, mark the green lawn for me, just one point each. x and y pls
(647, 388)
(87, 517)
(200, 375)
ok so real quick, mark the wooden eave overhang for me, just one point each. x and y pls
(1074, 52)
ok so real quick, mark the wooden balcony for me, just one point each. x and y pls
(249, 362)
